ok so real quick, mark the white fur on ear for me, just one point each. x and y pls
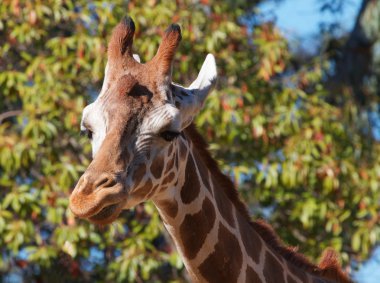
(205, 81)
(206, 78)
(105, 80)
(136, 57)
(190, 100)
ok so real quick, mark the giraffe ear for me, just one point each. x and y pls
(190, 100)
(206, 79)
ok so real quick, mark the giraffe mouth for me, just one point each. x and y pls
(107, 214)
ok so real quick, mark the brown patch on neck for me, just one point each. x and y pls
(315, 280)
(170, 149)
(273, 269)
(194, 229)
(225, 208)
(182, 149)
(251, 240)
(168, 179)
(157, 167)
(289, 279)
(252, 277)
(169, 208)
(191, 187)
(203, 171)
(139, 174)
(225, 263)
(297, 272)
(176, 160)
(144, 191)
(170, 163)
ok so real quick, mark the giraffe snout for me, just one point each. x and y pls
(89, 183)
(95, 192)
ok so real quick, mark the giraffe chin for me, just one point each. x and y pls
(107, 215)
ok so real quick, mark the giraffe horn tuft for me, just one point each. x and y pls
(120, 45)
(166, 51)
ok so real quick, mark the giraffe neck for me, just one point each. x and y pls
(194, 219)
(211, 228)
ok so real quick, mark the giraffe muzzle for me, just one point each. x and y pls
(99, 198)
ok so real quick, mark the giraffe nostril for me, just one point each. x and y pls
(105, 182)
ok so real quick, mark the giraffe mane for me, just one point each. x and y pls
(329, 267)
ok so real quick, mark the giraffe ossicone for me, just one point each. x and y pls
(145, 147)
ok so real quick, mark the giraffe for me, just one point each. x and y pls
(145, 146)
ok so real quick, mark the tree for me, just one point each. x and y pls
(357, 66)
(299, 161)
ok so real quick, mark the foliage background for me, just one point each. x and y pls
(297, 140)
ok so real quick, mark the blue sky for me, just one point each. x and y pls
(370, 270)
(299, 21)
(302, 17)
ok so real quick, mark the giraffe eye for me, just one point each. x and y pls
(88, 133)
(169, 135)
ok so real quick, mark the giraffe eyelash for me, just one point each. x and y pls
(87, 132)
(169, 135)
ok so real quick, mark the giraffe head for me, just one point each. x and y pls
(133, 125)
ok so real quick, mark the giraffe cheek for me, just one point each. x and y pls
(157, 166)
(138, 175)
(139, 185)
(140, 194)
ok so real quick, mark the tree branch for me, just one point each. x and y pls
(9, 114)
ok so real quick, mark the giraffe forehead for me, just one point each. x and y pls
(123, 78)
(123, 100)
(130, 93)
